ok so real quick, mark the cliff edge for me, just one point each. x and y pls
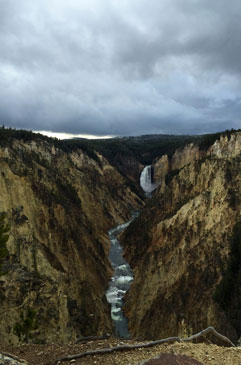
(180, 246)
(60, 206)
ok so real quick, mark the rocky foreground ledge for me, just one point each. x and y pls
(205, 353)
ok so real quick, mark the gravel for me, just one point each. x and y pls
(202, 352)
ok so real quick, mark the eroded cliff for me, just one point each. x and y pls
(60, 206)
(179, 246)
(180, 158)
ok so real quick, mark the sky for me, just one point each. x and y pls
(120, 67)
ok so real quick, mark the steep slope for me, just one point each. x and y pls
(60, 206)
(131, 154)
(179, 246)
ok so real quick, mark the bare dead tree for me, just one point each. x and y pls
(203, 333)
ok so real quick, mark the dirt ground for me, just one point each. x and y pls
(204, 353)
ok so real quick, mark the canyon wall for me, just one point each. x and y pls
(181, 157)
(60, 206)
(128, 165)
(179, 246)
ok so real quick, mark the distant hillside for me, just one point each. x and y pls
(127, 154)
(143, 148)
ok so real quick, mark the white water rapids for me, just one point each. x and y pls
(120, 281)
(123, 275)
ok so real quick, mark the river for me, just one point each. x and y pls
(123, 275)
(120, 281)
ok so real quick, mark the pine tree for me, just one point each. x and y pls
(4, 229)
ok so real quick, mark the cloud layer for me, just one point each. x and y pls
(115, 67)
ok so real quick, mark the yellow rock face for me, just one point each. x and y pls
(60, 207)
(180, 243)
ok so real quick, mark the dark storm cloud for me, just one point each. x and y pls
(120, 68)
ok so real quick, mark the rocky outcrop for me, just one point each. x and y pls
(128, 165)
(181, 157)
(227, 146)
(160, 169)
(179, 245)
(60, 206)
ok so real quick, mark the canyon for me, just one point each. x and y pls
(179, 246)
(61, 203)
(60, 207)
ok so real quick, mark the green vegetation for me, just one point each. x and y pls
(146, 148)
(205, 141)
(28, 323)
(143, 148)
(66, 193)
(230, 285)
(4, 229)
(8, 134)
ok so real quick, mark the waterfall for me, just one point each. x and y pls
(123, 275)
(146, 180)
